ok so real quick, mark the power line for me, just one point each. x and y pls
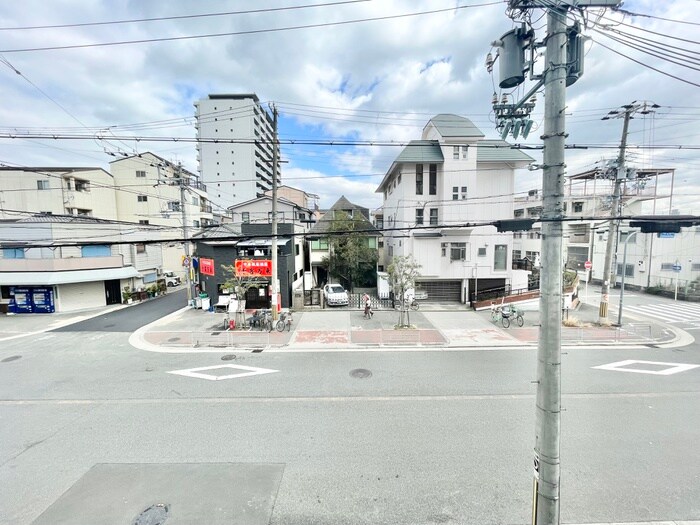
(248, 32)
(630, 13)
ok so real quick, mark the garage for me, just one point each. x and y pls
(442, 290)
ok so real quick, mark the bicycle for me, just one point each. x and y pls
(266, 321)
(512, 312)
(285, 321)
(405, 305)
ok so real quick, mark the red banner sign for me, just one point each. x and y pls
(206, 266)
(253, 268)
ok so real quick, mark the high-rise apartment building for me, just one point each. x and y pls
(235, 152)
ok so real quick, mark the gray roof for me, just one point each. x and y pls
(74, 219)
(449, 125)
(499, 151)
(228, 229)
(324, 223)
(421, 151)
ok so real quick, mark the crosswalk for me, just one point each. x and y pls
(681, 312)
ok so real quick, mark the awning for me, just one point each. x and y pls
(73, 276)
(261, 242)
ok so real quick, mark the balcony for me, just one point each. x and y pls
(205, 209)
(58, 265)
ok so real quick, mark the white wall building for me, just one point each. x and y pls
(39, 275)
(58, 190)
(452, 176)
(234, 172)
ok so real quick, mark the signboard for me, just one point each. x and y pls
(676, 267)
(665, 235)
(185, 261)
(588, 265)
(253, 268)
(206, 266)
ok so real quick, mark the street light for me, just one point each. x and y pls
(624, 271)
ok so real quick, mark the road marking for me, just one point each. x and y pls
(668, 312)
(248, 371)
(670, 368)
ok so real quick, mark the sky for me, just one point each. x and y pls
(372, 80)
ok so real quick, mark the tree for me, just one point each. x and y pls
(351, 259)
(403, 272)
(240, 285)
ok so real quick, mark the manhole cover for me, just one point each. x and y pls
(228, 357)
(173, 339)
(360, 373)
(153, 515)
(11, 358)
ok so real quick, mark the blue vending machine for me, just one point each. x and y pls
(29, 300)
(42, 300)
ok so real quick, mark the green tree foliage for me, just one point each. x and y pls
(351, 260)
(403, 272)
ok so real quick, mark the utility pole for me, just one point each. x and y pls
(185, 232)
(274, 213)
(620, 176)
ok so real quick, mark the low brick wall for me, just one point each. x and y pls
(534, 294)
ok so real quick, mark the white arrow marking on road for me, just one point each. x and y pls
(248, 371)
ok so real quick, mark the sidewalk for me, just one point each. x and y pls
(434, 326)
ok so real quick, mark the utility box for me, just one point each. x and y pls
(511, 69)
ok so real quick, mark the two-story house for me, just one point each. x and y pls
(437, 192)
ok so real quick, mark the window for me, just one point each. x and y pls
(372, 242)
(519, 213)
(419, 215)
(140, 173)
(433, 216)
(380, 223)
(195, 201)
(83, 212)
(140, 248)
(629, 270)
(458, 251)
(419, 179)
(42, 185)
(517, 235)
(455, 152)
(695, 267)
(195, 223)
(432, 180)
(296, 249)
(245, 217)
(482, 252)
(13, 253)
(455, 193)
(517, 254)
(625, 235)
(443, 249)
(464, 193)
(500, 257)
(142, 198)
(532, 256)
(144, 221)
(465, 152)
(578, 207)
(380, 244)
(82, 185)
(319, 244)
(391, 251)
(100, 250)
(666, 267)
(173, 205)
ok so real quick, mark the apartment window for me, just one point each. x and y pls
(142, 198)
(432, 180)
(532, 256)
(695, 267)
(519, 213)
(629, 270)
(458, 251)
(319, 244)
(464, 193)
(372, 242)
(380, 223)
(391, 251)
(481, 252)
(82, 185)
(195, 223)
(173, 205)
(195, 201)
(517, 235)
(245, 217)
(666, 267)
(380, 244)
(455, 193)
(578, 207)
(296, 249)
(419, 215)
(465, 152)
(433, 216)
(500, 257)
(42, 185)
(100, 250)
(142, 221)
(419, 179)
(13, 253)
(443, 249)
(140, 173)
(83, 212)
(517, 254)
(140, 248)
(455, 152)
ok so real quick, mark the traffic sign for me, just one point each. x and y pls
(588, 265)
(676, 267)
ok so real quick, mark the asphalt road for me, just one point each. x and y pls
(424, 437)
(133, 317)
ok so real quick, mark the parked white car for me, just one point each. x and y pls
(171, 279)
(335, 295)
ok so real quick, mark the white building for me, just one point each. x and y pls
(57, 190)
(234, 171)
(451, 177)
(149, 193)
(40, 274)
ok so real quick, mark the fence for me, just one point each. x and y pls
(355, 301)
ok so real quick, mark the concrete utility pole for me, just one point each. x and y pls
(548, 411)
(620, 175)
(274, 214)
(185, 232)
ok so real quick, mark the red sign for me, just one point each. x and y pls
(253, 268)
(206, 266)
(588, 265)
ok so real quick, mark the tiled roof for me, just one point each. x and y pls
(363, 225)
(449, 125)
(499, 151)
(421, 151)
